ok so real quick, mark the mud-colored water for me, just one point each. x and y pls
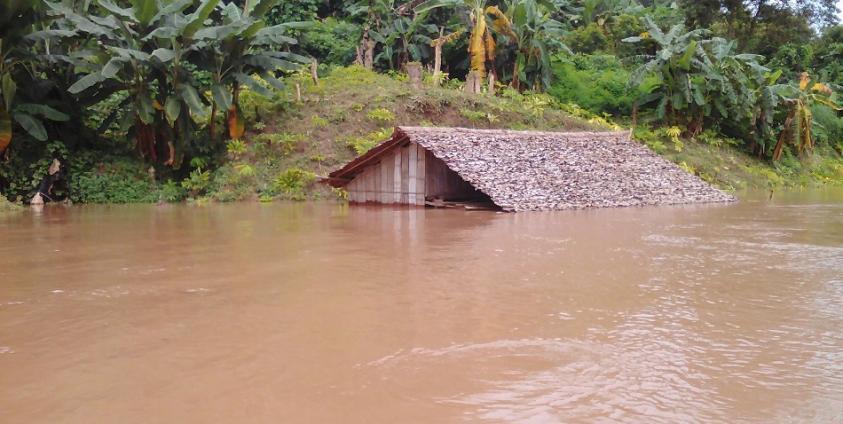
(322, 313)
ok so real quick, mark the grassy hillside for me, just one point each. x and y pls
(293, 140)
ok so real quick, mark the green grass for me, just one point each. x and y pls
(725, 166)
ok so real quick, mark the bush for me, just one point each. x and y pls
(830, 128)
(624, 26)
(598, 83)
(362, 144)
(7, 206)
(254, 107)
(333, 41)
(587, 39)
(381, 115)
(118, 182)
(197, 183)
(171, 192)
(293, 182)
(793, 59)
(233, 182)
(286, 142)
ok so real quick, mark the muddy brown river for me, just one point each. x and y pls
(324, 313)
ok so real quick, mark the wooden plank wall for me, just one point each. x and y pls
(399, 177)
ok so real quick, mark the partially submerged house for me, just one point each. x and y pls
(517, 171)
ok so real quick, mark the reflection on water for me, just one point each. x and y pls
(324, 313)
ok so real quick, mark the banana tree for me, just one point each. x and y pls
(537, 36)
(17, 63)
(375, 14)
(484, 18)
(799, 121)
(241, 46)
(149, 52)
(406, 40)
(741, 92)
(142, 51)
(681, 68)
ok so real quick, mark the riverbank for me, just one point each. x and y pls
(295, 138)
(309, 128)
(7, 206)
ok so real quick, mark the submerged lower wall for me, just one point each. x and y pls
(398, 178)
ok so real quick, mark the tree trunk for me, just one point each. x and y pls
(437, 63)
(492, 79)
(515, 83)
(366, 50)
(473, 82)
(414, 72)
(235, 127)
(369, 57)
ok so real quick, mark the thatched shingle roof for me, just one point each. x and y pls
(528, 170)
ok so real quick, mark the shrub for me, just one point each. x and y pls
(381, 115)
(7, 206)
(245, 170)
(117, 182)
(233, 182)
(472, 115)
(172, 192)
(362, 144)
(654, 139)
(830, 128)
(793, 58)
(598, 83)
(286, 142)
(318, 121)
(587, 39)
(292, 183)
(714, 139)
(332, 40)
(624, 26)
(254, 106)
(197, 183)
(829, 170)
(236, 147)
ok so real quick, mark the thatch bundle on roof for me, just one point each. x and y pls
(520, 170)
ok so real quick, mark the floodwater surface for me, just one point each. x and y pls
(324, 313)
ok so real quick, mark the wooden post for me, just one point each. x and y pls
(421, 187)
(411, 174)
(397, 177)
(405, 172)
(437, 64)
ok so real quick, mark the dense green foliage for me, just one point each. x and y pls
(598, 83)
(162, 100)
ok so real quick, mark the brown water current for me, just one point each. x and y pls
(324, 313)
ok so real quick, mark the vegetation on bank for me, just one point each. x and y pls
(7, 206)
(160, 100)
